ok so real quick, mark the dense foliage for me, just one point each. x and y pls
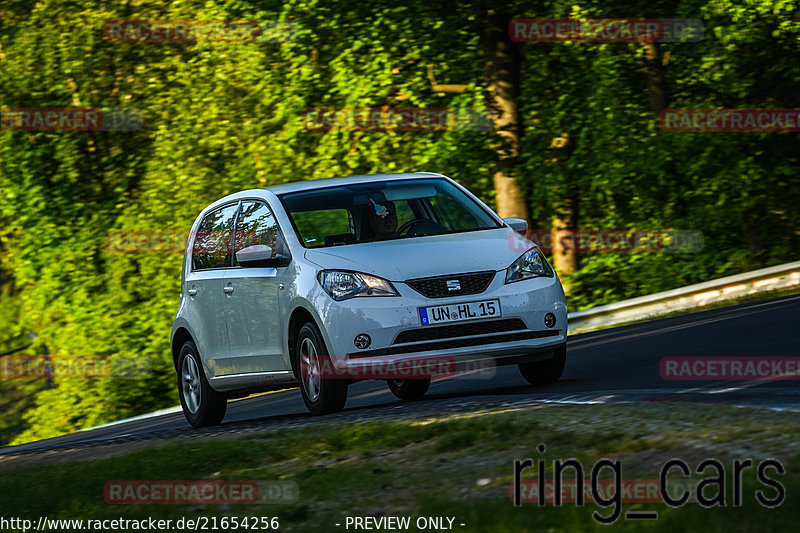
(224, 116)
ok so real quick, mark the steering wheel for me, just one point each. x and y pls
(408, 225)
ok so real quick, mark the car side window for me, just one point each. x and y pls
(257, 225)
(212, 244)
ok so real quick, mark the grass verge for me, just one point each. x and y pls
(458, 466)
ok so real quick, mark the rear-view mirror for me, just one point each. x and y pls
(517, 224)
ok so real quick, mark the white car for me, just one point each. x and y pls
(325, 282)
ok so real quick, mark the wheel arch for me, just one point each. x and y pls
(179, 338)
(299, 317)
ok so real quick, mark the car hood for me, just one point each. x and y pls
(433, 255)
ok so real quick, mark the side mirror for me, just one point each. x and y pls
(517, 224)
(260, 255)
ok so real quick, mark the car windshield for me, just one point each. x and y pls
(383, 210)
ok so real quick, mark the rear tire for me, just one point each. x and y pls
(409, 389)
(547, 371)
(202, 405)
(321, 395)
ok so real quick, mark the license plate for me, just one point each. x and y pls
(440, 314)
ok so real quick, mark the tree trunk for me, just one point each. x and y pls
(655, 72)
(565, 220)
(503, 74)
(565, 257)
(654, 66)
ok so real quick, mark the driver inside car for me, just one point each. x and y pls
(382, 219)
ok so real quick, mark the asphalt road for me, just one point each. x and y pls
(619, 364)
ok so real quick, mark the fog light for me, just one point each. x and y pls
(549, 320)
(362, 341)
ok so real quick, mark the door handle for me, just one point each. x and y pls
(228, 289)
(192, 291)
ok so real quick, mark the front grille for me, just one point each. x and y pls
(459, 330)
(437, 287)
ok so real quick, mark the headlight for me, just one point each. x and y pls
(531, 264)
(342, 285)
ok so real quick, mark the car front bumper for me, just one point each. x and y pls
(398, 337)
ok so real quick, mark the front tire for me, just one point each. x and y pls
(409, 389)
(322, 395)
(547, 371)
(202, 405)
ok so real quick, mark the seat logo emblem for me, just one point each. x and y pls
(453, 285)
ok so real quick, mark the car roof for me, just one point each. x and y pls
(309, 185)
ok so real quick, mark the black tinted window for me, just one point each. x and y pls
(212, 244)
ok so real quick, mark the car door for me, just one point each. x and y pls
(254, 297)
(203, 288)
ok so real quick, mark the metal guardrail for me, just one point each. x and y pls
(689, 297)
